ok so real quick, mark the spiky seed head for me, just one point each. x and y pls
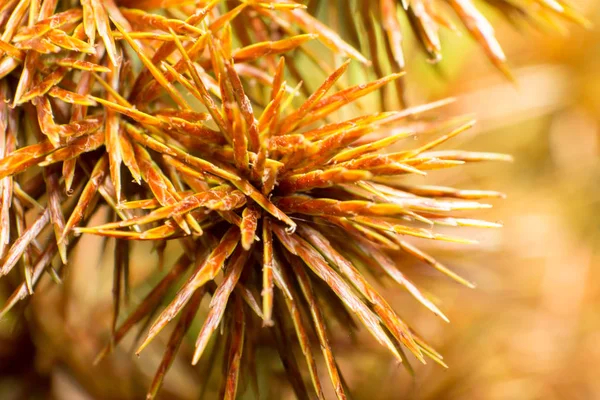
(189, 126)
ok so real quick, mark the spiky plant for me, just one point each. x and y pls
(380, 27)
(183, 124)
(427, 17)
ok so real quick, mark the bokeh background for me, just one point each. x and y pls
(531, 328)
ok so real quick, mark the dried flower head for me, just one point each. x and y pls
(184, 124)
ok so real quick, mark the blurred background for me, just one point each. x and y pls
(531, 328)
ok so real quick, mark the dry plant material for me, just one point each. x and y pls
(187, 125)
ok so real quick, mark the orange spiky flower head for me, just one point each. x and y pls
(184, 123)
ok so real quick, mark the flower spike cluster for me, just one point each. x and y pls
(185, 125)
